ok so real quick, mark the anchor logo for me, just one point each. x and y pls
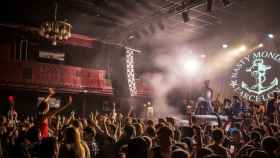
(258, 71)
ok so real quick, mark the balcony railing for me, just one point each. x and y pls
(39, 76)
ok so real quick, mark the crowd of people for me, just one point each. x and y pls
(119, 135)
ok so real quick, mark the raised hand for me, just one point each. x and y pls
(70, 100)
(51, 91)
(91, 116)
(52, 113)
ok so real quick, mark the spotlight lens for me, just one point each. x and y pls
(260, 45)
(225, 46)
(270, 35)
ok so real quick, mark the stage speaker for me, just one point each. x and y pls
(119, 74)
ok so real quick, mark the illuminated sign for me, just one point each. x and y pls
(256, 76)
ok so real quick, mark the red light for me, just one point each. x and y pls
(11, 99)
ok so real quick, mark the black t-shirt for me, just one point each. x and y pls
(270, 106)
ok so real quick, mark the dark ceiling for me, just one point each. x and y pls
(151, 22)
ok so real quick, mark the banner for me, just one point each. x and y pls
(256, 76)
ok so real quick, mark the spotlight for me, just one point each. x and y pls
(226, 2)
(242, 48)
(270, 35)
(260, 45)
(225, 46)
(209, 5)
(192, 66)
(185, 16)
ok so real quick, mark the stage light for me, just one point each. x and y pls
(270, 35)
(225, 46)
(192, 66)
(185, 16)
(242, 48)
(260, 45)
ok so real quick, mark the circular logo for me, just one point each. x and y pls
(255, 77)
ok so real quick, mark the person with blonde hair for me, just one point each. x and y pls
(72, 146)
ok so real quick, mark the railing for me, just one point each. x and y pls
(39, 76)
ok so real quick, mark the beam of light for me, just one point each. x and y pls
(192, 66)
(225, 46)
(260, 45)
(270, 35)
(237, 51)
(242, 48)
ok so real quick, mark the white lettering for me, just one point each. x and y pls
(246, 93)
(257, 55)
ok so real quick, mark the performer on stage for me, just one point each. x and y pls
(43, 113)
(207, 95)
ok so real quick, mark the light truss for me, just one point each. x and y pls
(130, 71)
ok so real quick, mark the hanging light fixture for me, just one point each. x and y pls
(56, 30)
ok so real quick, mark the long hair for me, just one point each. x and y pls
(43, 107)
(72, 147)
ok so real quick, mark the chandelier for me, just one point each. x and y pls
(56, 30)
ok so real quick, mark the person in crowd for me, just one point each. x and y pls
(165, 140)
(270, 145)
(216, 146)
(72, 146)
(227, 107)
(202, 107)
(127, 136)
(180, 154)
(208, 95)
(78, 124)
(48, 148)
(129, 133)
(203, 152)
(44, 113)
(259, 154)
(236, 141)
(271, 107)
(137, 148)
(89, 137)
(236, 105)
